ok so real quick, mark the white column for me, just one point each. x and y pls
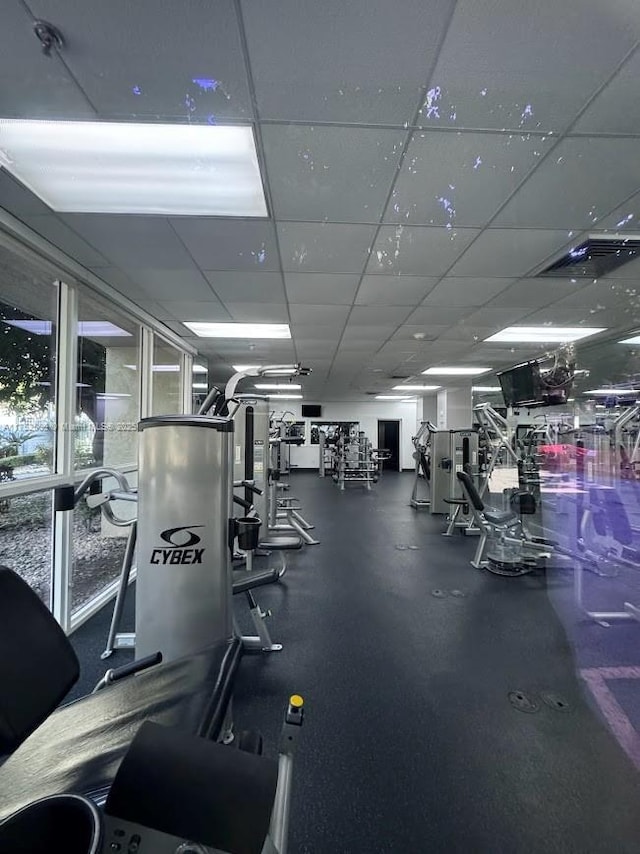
(454, 408)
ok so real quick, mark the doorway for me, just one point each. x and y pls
(389, 438)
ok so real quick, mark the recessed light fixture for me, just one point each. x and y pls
(634, 340)
(456, 372)
(415, 387)
(544, 334)
(486, 388)
(199, 385)
(199, 369)
(86, 328)
(284, 396)
(279, 386)
(129, 167)
(401, 397)
(612, 392)
(238, 330)
(111, 395)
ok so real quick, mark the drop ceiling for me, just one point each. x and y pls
(421, 163)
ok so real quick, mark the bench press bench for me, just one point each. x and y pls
(79, 747)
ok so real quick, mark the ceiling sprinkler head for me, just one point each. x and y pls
(48, 36)
(419, 336)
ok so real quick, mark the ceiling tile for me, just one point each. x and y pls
(314, 349)
(366, 332)
(475, 174)
(259, 286)
(324, 247)
(321, 314)
(16, 199)
(503, 252)
(337, 62)
(466, 333)
(257, 312)
(394, 290)
(494, 318)
(117, 49)
(577, 185)
(56, 232)
(342, 174)
(321, 288)
(351, 345)
(327, 331)
(416, 251)
(470, 291)
(623, 219)
(609, 112)
(40, 86)
(436, 315)
(534, 293)
(211, 309)
(491, 68)
(133, 242)
(554, 313)
(163, 285)
(228, 244)
(121, 282)
(428, 331)
(384, 315)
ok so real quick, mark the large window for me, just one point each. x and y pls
(28, 300)
(108, 387)
(166, 379)
(26, 539)
(98, 545)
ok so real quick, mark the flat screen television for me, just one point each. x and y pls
(521, 385)
(311, 410)
(525, 385)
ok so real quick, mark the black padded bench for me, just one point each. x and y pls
(78, 748)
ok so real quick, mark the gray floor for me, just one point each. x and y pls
(406, 659)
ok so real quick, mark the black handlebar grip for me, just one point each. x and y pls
(246, 505)
(136, 666)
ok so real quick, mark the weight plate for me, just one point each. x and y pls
(555, 702)
(523, 703)
(439, 594)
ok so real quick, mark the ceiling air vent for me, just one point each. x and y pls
(597, 256)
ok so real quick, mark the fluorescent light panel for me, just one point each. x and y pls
(415, 387)
(544, 334)
(128, 167)
(634, 340)
(486, 388)
(279, 386)
(285, 397)
(94, 328)
(238, 330)
(612, 392)
(199, 385)
(400, 397)
(199, 369)
(456, 372)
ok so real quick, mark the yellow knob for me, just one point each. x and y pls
(296, 701)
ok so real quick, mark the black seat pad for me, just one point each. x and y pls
(243, 580)
(499, 517)
(280, 544)
(80, 746)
